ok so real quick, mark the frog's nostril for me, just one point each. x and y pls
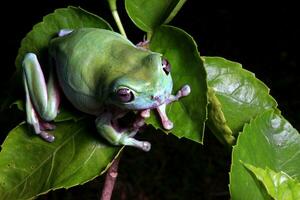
(158, 98)
(154, 97)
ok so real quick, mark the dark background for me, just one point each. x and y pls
(264, 39)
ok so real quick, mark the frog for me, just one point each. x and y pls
(103, 74)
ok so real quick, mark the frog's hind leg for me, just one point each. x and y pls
(42, 99)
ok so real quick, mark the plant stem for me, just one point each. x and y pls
(119, 23)
(114, 11)
(149, 35)
(110, 179)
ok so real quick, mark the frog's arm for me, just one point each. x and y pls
(104, 124)
(42, 99)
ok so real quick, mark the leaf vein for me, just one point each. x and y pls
(290, 159)
(36, 169)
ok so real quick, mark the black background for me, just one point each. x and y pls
(264, 38)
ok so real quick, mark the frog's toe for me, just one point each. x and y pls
(47, 136)
(145, 113)
(143, 145)
(167, 124)
(185, 90)
(47, 126)
(146, 146)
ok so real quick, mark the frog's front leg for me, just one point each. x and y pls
(105, 126)
(167, 124)
(42, 99)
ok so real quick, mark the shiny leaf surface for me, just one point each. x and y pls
(279, 185)
(241, 95)
(269, 141)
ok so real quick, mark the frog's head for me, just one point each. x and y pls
(147, 85)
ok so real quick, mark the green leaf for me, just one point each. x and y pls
(268, 141)
(30, 166)
(38, 38)
(241, 95)
(189, 113)
(149, 14)
(278, 184)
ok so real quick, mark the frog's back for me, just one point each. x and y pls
(86, 64)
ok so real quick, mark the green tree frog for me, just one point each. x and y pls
(103, 74)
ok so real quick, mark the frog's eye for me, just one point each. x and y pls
(166, 66)
(125, 95)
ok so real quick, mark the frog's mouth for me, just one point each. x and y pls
(161, 107)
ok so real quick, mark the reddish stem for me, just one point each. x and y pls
(110, 180)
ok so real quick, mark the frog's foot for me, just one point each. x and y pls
(40, 129)
(145, 113)
(144, 44)
(167, 124)
(130, 141)
(184, 91)
(139, 122)
(113, 129)
(37, 124)
(140, 119)
(47, 136)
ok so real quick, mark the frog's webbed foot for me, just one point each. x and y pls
(40, 128)
(108, 126)
(184, 91)
(143, 45)
(47, 136)
(167, 124)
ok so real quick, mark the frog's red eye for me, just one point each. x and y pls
(166, 66)
(125, 95)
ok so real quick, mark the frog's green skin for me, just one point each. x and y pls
(94, 68)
